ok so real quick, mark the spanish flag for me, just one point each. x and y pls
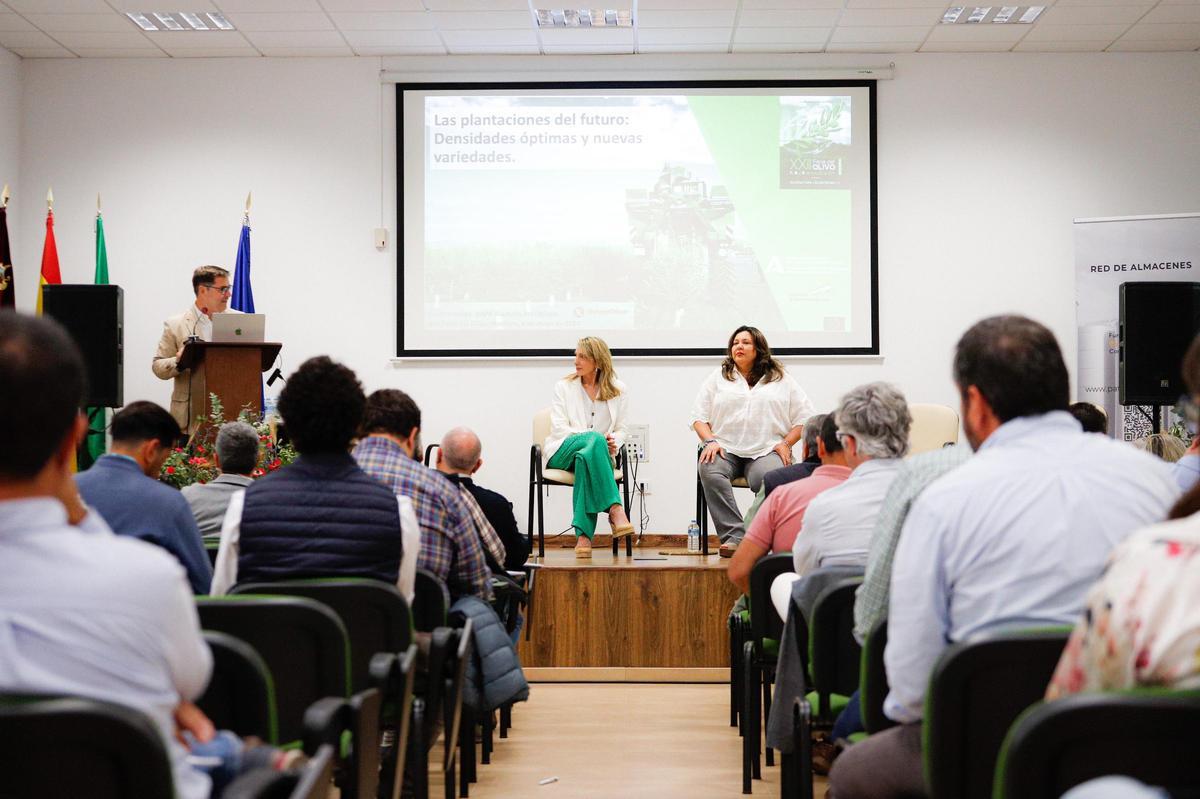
(50, 272)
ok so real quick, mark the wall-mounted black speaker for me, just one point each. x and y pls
(1158, 323)
(95, 318)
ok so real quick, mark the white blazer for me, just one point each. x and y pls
(571, 413)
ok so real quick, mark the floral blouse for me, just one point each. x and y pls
(1141, 623)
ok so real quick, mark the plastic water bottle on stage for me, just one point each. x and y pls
(693, 537)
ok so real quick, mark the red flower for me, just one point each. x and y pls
(200, 450)
(179, 449)
(275, 464)
(170, 470)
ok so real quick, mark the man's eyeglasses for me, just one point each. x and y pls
(222, 289)
(842, 435)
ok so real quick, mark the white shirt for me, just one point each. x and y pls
(750, 422)
(225, 569)
(1012, 538)
(602, 419)
(839, 522)
(86, 612)
(571, 413)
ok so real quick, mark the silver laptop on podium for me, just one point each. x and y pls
(233, 327)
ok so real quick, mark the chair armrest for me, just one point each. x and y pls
(324, 722)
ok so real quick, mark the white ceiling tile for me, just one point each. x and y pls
(782, 47)
(42, 52)
(401, 50)
(383, 21)
(1163, 33)
(867, 47)
(105, 40)
(144, 5)
(267, 6)
(307, 52)
(1062, 47)
(966, 47)
(1180, 2)
(27, 40)
(685, 4)
(361, 39)
(1159, 46)
(896, 4)
(118, 52)
(13, 22)
(1074, 33)
(886, 17)
(574, 37)
(897, 33)
(588, 49)
(983, 32)
(478, 20)
(303, 21)
(798, 18)
(1072, 3)
(457, 40)
(780, 35)
(497, 50)
(207, 40)
(59, 6)
(1091, 15)
(82, 23)
(1165, 14)
(213, 52)
(377, 6)
(682, 48)
(784, 4)
(498, 5)
(293, 39)
(661, 36)
(702, 18)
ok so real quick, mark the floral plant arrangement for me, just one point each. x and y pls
(194, 463)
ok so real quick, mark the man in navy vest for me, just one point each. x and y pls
(321, 516)
(123, 488)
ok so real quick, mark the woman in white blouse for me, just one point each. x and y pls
(749, 413)
(588, 425)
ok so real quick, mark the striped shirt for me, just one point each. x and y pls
(450, 547)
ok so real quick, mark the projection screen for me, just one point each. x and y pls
(658, 216)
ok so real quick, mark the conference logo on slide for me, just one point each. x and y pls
(814, 142)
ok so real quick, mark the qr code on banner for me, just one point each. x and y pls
(1135, 422)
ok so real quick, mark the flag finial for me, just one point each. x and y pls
(4, 197)
(97, 202)
(249, 197)
(50, 198)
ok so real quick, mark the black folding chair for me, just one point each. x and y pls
(834, 655)
(240, 695)
(873, 682)
(759, 656)
(431, 602)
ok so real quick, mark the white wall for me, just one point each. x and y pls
(10, 129)
(984, 160)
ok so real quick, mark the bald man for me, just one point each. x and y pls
(460, 456)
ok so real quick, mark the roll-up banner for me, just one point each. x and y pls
(1109, 252)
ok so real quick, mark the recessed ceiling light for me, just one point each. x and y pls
(584, 18)
(1004, 14)
(167, 21)
(193, 20)
(141, 20)
(952, 14)
(1031, 14)
(956, 15)
(171, 20)
(979, 14)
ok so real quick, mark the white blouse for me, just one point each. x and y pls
(750, 421)
(571, 413)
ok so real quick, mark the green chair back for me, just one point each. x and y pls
(240, 695)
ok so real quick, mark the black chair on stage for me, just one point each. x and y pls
(702, 502)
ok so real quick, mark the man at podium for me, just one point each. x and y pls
(212, 288)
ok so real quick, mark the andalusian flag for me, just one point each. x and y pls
(95, 446)
(50, 272)
(8, 290)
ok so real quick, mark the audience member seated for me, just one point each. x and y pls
(1012, 538)
(1091, 418)
(450, 547)
(872, 426)
(459, 457)
(235, 456)
(322, 515)
(1163, 445)
(810, 459)
(1141, 621)
(123, 488)
(778, 521)
(86, 612)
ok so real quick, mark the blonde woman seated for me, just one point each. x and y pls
(588, 425)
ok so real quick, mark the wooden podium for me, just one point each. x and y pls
(232, 371)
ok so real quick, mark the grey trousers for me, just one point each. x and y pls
(715, 478)
(887, 765)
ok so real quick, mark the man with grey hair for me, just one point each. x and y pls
(459, 457)
(872, 425)
(235, 455)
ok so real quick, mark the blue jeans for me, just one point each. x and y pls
(221, 758)
(850, 720)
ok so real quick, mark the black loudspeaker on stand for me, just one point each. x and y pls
(95, 318)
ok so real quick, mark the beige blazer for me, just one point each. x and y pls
(176, 331)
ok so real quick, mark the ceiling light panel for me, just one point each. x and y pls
(584, 18)
(999, 15)
(180, 20)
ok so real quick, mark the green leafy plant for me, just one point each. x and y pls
(194, 463)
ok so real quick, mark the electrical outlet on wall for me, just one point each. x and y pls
(635, 443)
(644, 486)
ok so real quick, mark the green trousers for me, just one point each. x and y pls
(586, 454)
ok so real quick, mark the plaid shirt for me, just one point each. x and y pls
(450, 548)
(487, 533)
(914, 476)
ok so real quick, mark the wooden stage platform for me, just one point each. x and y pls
(650, 617)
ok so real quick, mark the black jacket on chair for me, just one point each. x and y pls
(499, 511)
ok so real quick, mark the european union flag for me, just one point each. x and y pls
(243, 295)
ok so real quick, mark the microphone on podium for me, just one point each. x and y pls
(192, 339)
